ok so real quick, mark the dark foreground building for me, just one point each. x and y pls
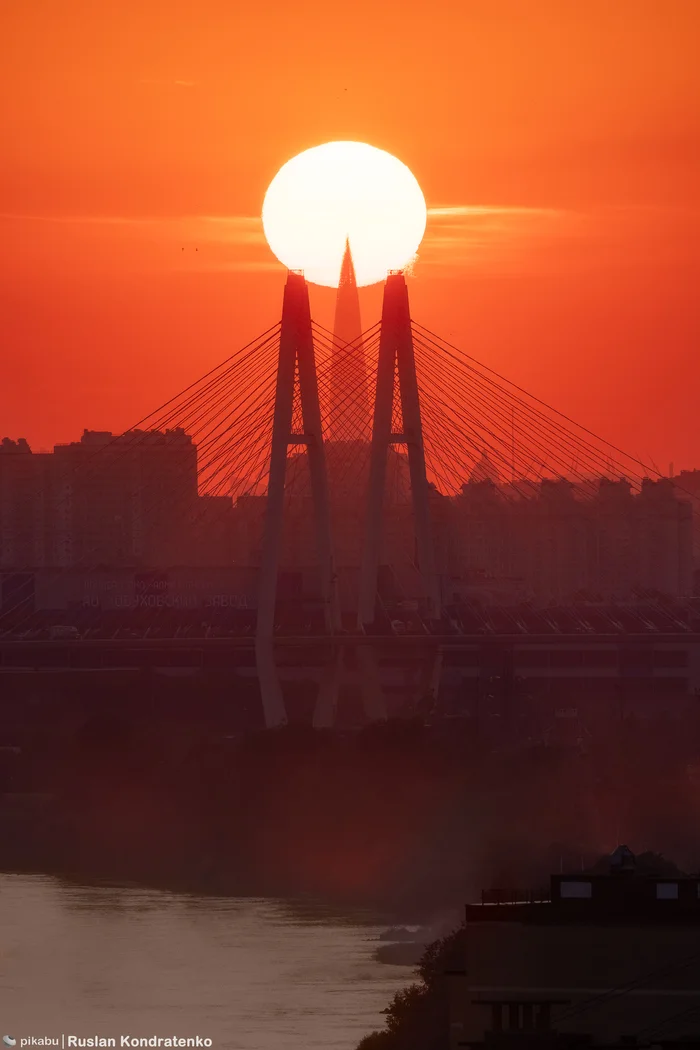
(613, 958)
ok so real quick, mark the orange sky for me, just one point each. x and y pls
(132, 129)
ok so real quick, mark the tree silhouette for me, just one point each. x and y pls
(417, 1017)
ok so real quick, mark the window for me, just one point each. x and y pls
(575, 889)
(667, 891)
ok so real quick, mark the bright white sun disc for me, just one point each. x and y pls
(344, 191)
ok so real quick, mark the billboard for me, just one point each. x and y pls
(125, 590)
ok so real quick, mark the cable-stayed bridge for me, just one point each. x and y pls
(377, 473)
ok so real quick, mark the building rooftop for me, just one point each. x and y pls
(619, 889)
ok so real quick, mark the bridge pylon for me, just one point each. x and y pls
(296, 359)
(397, 358)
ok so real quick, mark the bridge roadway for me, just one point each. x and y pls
(673, 649)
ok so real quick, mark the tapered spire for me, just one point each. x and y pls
(350, 415)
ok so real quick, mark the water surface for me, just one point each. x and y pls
(248, 974)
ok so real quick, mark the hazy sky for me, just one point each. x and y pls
(557, 144)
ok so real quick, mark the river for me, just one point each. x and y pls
(247, 974)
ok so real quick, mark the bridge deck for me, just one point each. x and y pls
(449, 641)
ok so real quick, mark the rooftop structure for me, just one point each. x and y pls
(611, 955)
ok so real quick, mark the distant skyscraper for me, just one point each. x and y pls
(110, 500)
(128, 498)
(350, 410)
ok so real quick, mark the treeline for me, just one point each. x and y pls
(402, 817)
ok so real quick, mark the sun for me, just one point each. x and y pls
(344, 191)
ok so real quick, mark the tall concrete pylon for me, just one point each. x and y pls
(396, 355)
(296, 356)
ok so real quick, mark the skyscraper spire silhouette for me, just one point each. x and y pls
(350, 414)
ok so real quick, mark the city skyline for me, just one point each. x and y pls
(133, 500)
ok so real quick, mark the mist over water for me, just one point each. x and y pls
(250, 974)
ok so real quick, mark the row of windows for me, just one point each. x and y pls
(583, 890)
